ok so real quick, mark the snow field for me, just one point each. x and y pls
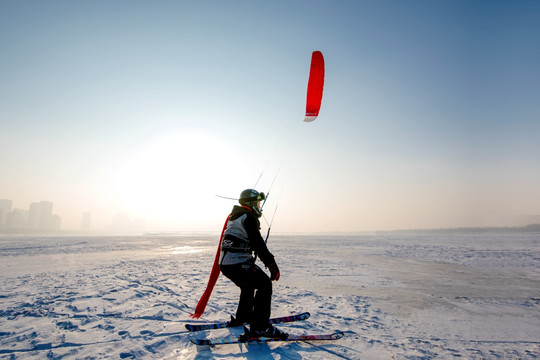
(470, 296)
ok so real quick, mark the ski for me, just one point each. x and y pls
(226, 324)
(235, 340)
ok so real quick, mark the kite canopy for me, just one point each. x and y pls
(315, 86)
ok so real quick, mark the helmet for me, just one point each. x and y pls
(250, 197)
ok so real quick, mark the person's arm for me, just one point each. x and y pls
(251, 224)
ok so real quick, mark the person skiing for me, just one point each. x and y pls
(241, 239)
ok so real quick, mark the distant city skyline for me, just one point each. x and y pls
(39, 217)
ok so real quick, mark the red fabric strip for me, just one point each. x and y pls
(214, 275)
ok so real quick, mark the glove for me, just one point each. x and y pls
(274, 272)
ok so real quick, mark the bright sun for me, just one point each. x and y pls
(175, 174)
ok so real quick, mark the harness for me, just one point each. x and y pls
(235, 246)
(236, 238)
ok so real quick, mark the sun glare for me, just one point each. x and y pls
(166, 178)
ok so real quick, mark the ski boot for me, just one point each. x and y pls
(234, 322)
(271, 332)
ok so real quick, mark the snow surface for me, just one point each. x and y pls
(470, 296)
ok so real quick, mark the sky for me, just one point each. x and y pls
(430, 116)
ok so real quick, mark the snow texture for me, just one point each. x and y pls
(468, 296)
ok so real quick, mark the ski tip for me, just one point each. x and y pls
(338, 335)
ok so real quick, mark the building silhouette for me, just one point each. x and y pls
(38, 217)
(85, 224)
(5, 209)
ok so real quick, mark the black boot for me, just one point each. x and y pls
(270, 332)
(234, 322)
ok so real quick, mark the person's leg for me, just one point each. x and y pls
(263, 299)
(242, 276)
(260, 324)
(244, 312)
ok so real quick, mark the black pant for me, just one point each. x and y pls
(255, 293)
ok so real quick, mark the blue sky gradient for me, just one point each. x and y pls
(430, 115)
